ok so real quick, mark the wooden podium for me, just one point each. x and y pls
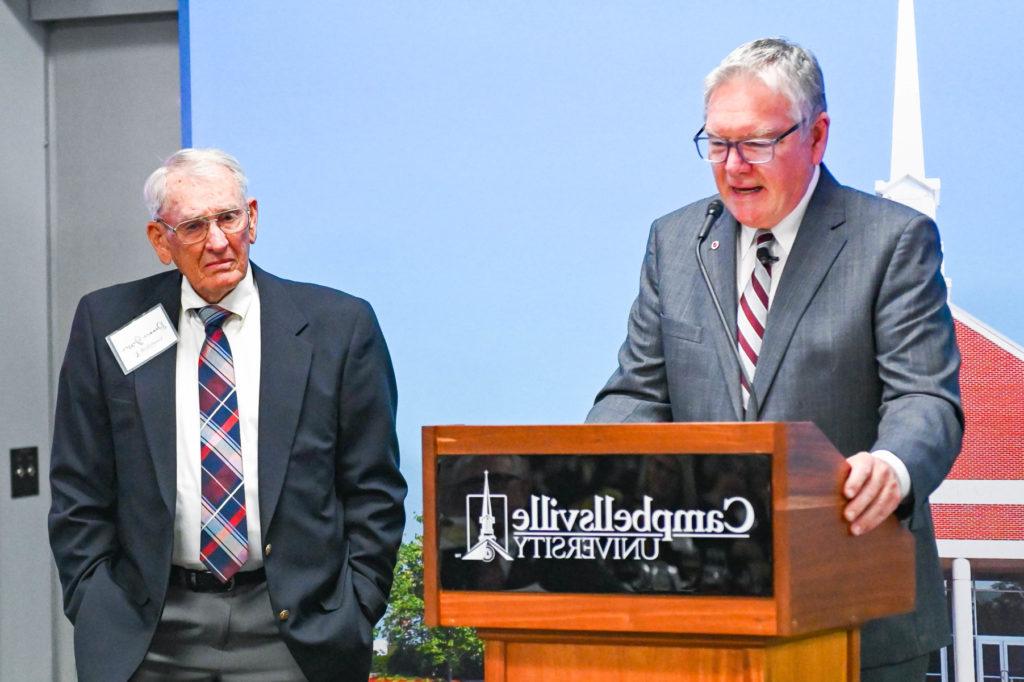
(823, 584)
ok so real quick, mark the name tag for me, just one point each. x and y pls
(142, 339)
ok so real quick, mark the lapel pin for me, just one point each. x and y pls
(714, 245)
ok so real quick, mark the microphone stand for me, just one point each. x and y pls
(713, 212)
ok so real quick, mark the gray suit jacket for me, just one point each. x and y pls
(859, 340)
(329, 486)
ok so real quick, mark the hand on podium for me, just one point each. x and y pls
(873, 492)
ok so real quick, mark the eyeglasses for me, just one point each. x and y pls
(757, 150)
(194, 230)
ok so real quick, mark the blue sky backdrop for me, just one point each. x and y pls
(485, 173)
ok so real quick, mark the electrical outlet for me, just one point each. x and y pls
(24, 472)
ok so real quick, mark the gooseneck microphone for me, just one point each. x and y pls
(714, 210)
(710, 216)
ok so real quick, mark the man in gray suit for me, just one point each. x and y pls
(836, 313)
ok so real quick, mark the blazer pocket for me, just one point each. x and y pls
(342, 586)
(681, 330)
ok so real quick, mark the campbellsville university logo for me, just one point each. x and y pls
(602, 531)
(487, 545)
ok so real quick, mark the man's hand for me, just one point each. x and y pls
(872, 490)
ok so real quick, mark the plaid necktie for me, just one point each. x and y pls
(753, 309)
(223, 541)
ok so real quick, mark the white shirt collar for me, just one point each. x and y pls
(785, 231)
(237, 300)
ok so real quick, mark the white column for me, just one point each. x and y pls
(963, 621)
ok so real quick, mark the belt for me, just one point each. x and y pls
(204, 581)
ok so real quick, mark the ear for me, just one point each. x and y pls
(254, 211)
(819, 136)
(157, 234)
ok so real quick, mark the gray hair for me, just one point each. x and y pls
(785, 67)
(195, 163)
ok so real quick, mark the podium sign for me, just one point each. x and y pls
(696, 524)
(650, 552)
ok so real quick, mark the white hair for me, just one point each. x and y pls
(193, 162)
(784, 67)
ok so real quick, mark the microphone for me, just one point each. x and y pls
(714, 210)
(711, 216)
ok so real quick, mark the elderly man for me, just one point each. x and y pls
(832, 310)
(227, 503)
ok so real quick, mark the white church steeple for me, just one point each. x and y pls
(907, 183)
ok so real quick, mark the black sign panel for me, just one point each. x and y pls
(659, 524)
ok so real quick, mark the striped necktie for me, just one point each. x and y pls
(223, 540)
(753, 309)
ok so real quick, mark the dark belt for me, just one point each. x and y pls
(204, 581)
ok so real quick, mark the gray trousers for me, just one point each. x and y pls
(222, 637)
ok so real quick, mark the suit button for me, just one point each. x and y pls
(283, 615)
(266, 550)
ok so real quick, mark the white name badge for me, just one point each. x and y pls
(142, 339)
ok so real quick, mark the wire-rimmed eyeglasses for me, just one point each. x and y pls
(194, 230)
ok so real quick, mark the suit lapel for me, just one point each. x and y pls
(284, 370)
(817, 244)
(155, 393)
(721, 265)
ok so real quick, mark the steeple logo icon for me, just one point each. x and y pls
(487, 546)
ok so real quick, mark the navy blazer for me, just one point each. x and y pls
(331, 494)
(859, 340)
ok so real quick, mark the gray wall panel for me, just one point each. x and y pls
(25, 621)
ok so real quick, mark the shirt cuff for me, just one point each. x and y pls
(898, 468)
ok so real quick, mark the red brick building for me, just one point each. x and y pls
(979, 509)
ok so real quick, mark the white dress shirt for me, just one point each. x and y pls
(242, 329)
(785, 236)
